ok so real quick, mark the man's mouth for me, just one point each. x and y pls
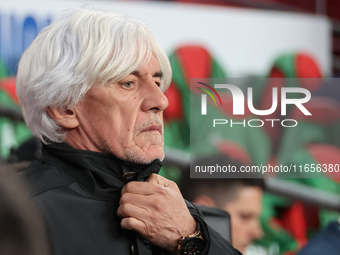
(153, 128)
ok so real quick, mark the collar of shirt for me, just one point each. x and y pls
(100, 172)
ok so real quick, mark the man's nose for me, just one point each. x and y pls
(154, 99)
(257, 231)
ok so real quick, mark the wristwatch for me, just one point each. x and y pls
(191, 245)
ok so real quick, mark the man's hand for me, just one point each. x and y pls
(157, 211)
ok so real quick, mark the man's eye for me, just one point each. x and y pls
(246, 217)
(128, 84)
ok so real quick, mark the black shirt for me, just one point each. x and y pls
(78, 193)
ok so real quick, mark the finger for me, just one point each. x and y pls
(131, 223)
(151, 204)
(142, 188)
(135, 199)
(129, 210)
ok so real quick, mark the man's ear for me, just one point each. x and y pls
(66, 118)
(204, 200)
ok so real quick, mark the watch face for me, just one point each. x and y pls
(194, 246)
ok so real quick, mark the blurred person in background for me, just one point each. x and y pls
(241, 198)
(91, 86)
(21, 227)
(324, 242)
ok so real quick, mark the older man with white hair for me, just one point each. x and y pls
(91, 86)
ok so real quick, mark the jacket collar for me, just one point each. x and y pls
(100, 172)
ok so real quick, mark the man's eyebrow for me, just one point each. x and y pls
(156, 74)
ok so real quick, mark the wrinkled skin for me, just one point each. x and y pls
(125, 118)
(157, 211)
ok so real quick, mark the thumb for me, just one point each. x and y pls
(160, 180)
(157, 179)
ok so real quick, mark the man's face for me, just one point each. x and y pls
(125, 118)
(245, 212)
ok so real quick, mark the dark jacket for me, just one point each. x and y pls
(78, 193)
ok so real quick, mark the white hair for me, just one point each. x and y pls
(79, 49)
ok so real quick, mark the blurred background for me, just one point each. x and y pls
(218, 39)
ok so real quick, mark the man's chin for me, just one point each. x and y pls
(145, 158)
(242, 248)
